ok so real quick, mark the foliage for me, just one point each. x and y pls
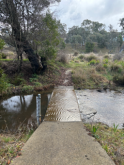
(2, 43)
(115, 127)
(89, 47)
(91, 57)
(118, 79)
(112, 140)
(93, 62)
(81, 57)
(37, 84)
(27, 89)
(3, 81)
(105, 61)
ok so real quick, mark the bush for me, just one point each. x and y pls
(118, 79)
(75, 53)
(107, 56)
(118, 56)
(105, 65)
(3, 56)
(27, 88)
(37, 84)
(116, 68)
(91, 57)
(81, 57)
(89, 47)
(17, 80)
(93, 62)
(64, 58)
(105, 61)
(100, 68)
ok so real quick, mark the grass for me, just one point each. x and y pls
(111, 139)
(11, 145)
(94, 72)
(6, 60)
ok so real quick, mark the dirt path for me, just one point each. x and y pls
(65, 78)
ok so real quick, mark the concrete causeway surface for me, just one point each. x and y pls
(61, 140)
(63, 105)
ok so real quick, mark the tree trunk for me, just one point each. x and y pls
(20, 38)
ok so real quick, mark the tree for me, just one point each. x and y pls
(89, 47)
(3, 80)
(120, 40)
(20, 17)
(75, 39)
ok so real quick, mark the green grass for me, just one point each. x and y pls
(5, 60)
(111, 139)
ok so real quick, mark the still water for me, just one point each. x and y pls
(16, 110)
(108, 104)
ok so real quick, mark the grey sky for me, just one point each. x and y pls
(73, 12)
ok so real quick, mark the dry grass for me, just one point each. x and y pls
(116, 67)
(118, 56)
(63, 57)
(100, 68)
(90, 57)
(87, 77)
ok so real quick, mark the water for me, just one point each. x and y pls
(21, 109)
(108, 104)
(63, 106)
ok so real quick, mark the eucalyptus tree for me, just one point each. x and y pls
(19, 17)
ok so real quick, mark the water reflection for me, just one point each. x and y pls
(16, 109)
(16, 103)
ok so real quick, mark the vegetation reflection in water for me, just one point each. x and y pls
(22, 108)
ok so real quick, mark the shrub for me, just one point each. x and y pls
(75, 53)
(105, 65)
(118, 56)
(3, 56)
(93, 62)
(89, 47)
(105, 61)
(27, 88)
(118, 79)
(107, 56)
(100, 68)
(81, 57)
(37, 84)
(18, 80)
(116, 68)
(64, 58)
(91, 57)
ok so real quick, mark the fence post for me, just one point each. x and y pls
(38, 108)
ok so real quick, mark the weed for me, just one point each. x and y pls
(6, 140)
(105, 148)
(115, 127)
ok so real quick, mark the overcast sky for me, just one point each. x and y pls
(73, 12)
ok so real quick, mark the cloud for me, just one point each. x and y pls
(73, 12)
